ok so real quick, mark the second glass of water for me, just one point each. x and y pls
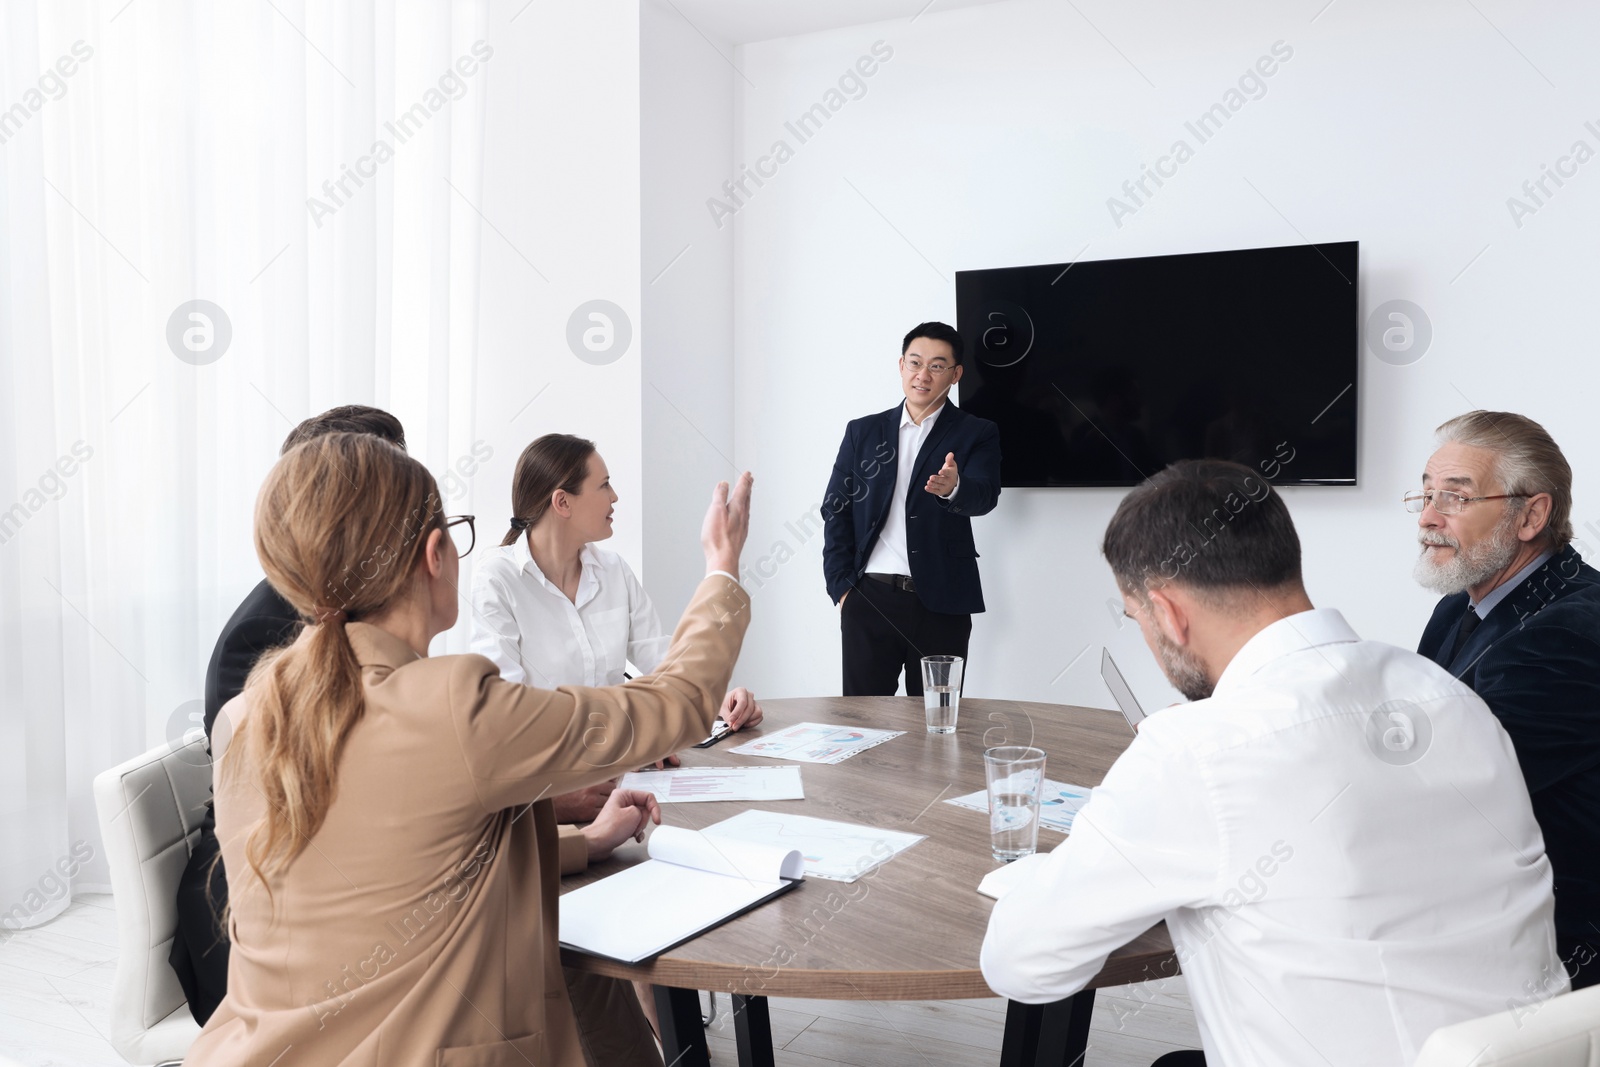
(1015, 775)
(941, 692)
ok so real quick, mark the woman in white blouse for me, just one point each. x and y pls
(551, 607)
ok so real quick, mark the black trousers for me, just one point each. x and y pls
(885, 631)
(1581, 959)
(200, 948)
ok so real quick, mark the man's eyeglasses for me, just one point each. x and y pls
(938, 368)
(1447, 503)
(463, 530)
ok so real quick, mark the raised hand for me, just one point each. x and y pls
(943, 481)
(727, 525)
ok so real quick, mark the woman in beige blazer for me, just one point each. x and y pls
(391, 848)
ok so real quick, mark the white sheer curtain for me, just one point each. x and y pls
(170, 158)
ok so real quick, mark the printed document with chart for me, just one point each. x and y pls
(815, 742)
(683, 785)
(836, 851)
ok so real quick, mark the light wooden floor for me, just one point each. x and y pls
(55, 995)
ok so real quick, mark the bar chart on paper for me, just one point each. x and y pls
(689, 784)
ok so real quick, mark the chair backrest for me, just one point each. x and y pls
(150, 809)
(1563, 1031)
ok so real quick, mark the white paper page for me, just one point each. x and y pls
(836, 851)
(1059, 803)
(746, 860)
(815, 742)
(689, 784)
(997, 883)
(636, 913)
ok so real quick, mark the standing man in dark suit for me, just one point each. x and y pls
(1520, 624)
(264, 621)
(897, 542)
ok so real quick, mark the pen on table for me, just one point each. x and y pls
(718, 732)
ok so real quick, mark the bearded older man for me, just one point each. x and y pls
(1520, 624)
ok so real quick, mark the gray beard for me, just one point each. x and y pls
(1466, 569)
(1182, 669)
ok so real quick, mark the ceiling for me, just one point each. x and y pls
(743, 21)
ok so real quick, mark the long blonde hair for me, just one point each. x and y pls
(340, 524)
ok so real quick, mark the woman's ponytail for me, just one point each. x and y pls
(340, 524)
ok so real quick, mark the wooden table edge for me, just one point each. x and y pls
(754, 980)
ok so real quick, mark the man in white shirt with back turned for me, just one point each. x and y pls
(1336, 831)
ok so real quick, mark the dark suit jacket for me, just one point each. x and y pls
(944, 560)
(199, 953)
(1536, 662)
(263, 621)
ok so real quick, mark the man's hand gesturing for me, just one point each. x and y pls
(943, 482)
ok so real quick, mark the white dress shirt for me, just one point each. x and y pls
(536, 636)
(1330, 905)
(889, 555)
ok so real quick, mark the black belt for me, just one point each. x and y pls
(899, 581)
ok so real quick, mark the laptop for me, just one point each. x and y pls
(1119, 689)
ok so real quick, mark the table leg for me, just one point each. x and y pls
(1047, 1035)
(683, 1035)
(752, 1030)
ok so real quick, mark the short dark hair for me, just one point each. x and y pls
(348, 418)
(934, 331)
(1213, 526)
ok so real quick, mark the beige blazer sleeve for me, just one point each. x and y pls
(523, 744)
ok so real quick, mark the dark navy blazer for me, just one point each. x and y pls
(1536, 662)
(943, 558)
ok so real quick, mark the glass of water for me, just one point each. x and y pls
(1015, 774)
(941, 692)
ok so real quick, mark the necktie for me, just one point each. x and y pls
(1469, 623)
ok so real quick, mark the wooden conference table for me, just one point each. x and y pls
(911, 929)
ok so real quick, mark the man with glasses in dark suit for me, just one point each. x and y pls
(897, 550)
(1520, 624)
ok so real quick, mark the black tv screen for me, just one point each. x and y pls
(1101, 373)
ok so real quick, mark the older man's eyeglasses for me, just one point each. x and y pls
(1447, 503)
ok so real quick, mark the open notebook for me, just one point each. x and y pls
(689, 884)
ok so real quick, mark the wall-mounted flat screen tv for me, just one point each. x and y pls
(1101, 373)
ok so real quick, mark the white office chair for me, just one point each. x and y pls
(150, 810)
(1563, 1031)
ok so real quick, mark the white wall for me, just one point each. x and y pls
(686, 89)
(994, 136)
(561, 197)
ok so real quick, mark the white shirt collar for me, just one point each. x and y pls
(588, 584)
(1294, 633)
(1507, 587)
(927, 420)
